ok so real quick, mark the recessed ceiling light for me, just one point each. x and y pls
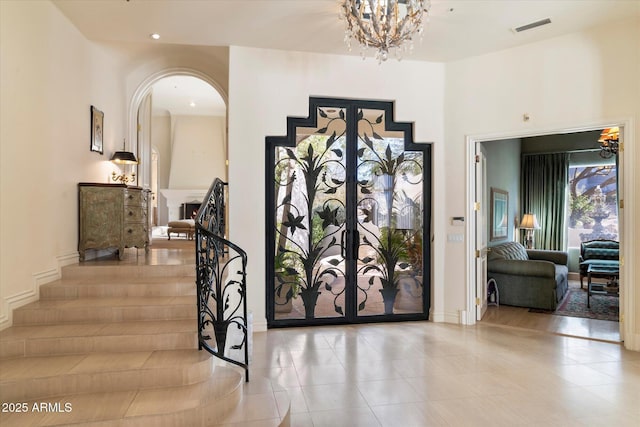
(192, 104)
(155, 36)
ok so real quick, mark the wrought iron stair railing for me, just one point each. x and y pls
(221, 284)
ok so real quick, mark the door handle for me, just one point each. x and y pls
(356, 243)
(343, 246)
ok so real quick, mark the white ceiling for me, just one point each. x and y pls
(184, 95)
(456, 29)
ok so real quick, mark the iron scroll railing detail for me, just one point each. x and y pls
(221, 284)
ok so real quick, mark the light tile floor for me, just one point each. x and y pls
(429, 374)
(520, 317)
(423, 374)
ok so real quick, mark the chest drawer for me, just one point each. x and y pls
(134, 197)
(135, 214)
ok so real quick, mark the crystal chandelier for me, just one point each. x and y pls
(383, 24)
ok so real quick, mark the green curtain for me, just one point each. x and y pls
(544, 179)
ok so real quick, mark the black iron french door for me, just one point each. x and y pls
(348, 209)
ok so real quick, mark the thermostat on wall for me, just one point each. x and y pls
(457, 220)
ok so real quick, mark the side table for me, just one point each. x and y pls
(612, 275)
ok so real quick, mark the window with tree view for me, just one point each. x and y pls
(592, 208)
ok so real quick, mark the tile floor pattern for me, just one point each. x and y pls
(423, 374)
(520, 317)
(428, 374)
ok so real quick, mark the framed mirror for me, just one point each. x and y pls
(499, 214)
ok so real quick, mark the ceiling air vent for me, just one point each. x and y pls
(532, 25)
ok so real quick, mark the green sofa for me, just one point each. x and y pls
(598, 252)
(528, 278)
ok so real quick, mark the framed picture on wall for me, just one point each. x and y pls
(499, 228)
(97, 128)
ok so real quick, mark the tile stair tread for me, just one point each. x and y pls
(29, 378)
(119, 281)
(90, 363)
(127, 271)
(216, 397)
(105, 309)
(201, 402)
(114, 302)
(101, 266)
(149, 327)
(108, 287)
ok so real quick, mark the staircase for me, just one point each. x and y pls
(111, 345)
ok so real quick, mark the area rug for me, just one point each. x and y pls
(574, 304)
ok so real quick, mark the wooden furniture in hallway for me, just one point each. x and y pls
(112, 216)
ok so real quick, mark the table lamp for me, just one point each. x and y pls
(529, 223)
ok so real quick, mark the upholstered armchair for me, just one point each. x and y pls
(598, 252)
(528, 278)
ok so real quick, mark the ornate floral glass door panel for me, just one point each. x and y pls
(310, 192)
(390, 219)
(346, 217)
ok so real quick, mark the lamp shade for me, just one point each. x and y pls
(124, 158)
(609, 134)
(529, 222)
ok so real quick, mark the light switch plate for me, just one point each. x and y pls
(455, 237)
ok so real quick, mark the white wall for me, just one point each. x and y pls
(198, 149)
(269, 85)
(582, 79)
(192, 152)
(161, 140)
(50, 75)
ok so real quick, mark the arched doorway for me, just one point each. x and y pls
(179, 117)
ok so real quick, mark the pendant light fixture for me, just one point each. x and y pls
(124, 157)
(384, 24)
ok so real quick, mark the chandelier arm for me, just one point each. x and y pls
(380, 24)
(374, 23)
(393, 16)
(358, 35)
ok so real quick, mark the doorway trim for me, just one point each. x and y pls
(144, 88)
(627, 191)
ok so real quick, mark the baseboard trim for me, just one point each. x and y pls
(38, 279)
(260, 326)
(446, 317)
(15, 301)
(68, 259)
(632, 342)
(464, 318)
(45, 277)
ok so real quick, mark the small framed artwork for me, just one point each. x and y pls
(97, 128)
(499, 214)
